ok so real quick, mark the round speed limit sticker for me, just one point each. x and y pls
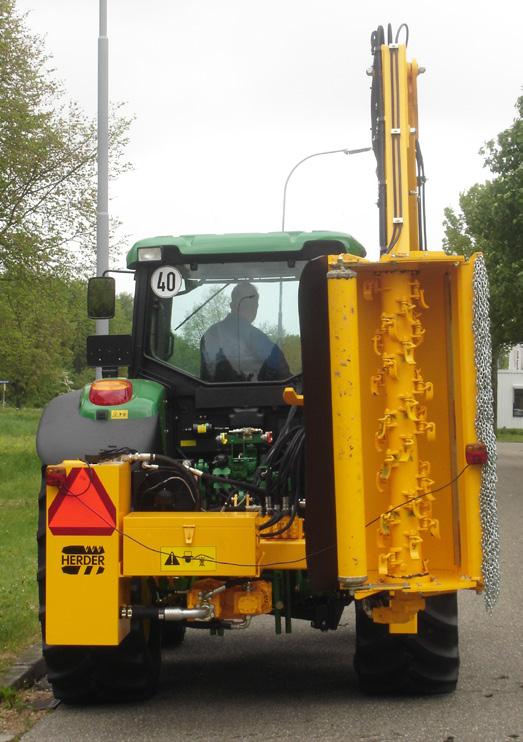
(166, 281)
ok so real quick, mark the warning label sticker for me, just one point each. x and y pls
(119, 414)
(188, 560)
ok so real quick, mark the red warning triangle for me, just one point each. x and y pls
(82, 506)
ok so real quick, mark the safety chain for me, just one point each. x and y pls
(484, 426)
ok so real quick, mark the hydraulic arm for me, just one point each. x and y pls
(405, 377)
(400, 169)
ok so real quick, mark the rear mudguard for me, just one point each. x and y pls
(63, 433)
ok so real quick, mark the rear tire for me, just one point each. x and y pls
(422, 663)
(173, 634)
(128, 672)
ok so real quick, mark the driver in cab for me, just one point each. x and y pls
(234, 350)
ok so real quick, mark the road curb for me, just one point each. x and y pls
(26, 670)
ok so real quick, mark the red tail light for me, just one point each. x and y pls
(110, 392)
(476, 453)
(55, 476)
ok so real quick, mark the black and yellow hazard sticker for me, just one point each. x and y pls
(188, 560)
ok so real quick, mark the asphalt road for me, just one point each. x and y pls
(253, 685)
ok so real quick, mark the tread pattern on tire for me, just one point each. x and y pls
(128, 672)
(422, 663)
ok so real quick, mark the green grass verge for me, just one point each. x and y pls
(19, 486)
(512, 435)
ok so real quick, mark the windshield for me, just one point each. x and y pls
(227, 321)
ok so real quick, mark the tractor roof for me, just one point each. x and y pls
(191, 246)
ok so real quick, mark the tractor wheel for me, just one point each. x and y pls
(424, 663)
(128, 672)
(40, 540)
(173, 634)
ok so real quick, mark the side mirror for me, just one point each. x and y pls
(101, 298)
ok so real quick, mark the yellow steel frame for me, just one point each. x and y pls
(211, 544)
(83, 608)
(348, 447)
(219, 545)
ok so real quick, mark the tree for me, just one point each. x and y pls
(123, 317)
(491, 221)
(47, 159)
(44, 325)
(47, 217)
(45, 328)
(289, 344)
(209, 308)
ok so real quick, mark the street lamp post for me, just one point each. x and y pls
(345, 151)
(102, 209)
(102, 203)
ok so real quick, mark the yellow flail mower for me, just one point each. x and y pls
(300, 429)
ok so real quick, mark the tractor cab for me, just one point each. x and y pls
(216, 323)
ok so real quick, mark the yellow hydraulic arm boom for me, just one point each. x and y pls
(394, 105)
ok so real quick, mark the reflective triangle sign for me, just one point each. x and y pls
(82, 506)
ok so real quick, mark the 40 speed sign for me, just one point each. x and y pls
(166, 281)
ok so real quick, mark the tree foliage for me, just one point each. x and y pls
(45, 328)
(123, 319)
(209, 309)
(491, 220)
(289, 344)
(212, 307)
(47, 159)
(47, 217)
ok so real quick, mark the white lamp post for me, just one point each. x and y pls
(345, 151)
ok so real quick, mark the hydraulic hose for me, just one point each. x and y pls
(285, 527)
(167, 613)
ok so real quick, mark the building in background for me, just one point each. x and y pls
(510, 391)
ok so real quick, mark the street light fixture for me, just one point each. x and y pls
(345, 151)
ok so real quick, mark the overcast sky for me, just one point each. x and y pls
(229, 94)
